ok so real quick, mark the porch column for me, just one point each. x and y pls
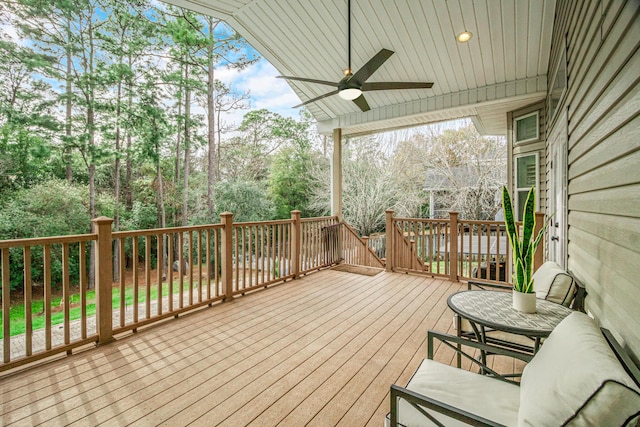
(336, 175)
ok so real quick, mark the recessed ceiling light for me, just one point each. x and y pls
(464, 36)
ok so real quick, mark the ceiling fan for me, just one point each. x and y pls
(351, 86)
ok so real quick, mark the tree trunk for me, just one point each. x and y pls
(163, 217)
(129, 165)
(187, 148)
(69, 104)
(211, 182)
(176, 176)
(116, 172)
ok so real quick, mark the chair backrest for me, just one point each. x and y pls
(577, 363)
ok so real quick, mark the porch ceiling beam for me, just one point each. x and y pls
(451, 106)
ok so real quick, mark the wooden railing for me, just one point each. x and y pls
(356, 250)
(453, 248)
(160, 273)
(164, 272)
(38, 261)
(319, 243)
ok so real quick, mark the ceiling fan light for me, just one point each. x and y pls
(350, 93)
(464, 36)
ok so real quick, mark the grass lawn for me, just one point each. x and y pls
(17, 312)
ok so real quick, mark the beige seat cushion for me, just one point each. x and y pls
(481, 395)
(575, 379)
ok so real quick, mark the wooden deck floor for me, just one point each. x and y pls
(318, 351)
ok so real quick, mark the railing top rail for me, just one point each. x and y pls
(155, 231)
(318, 218)
(434, 220)
(41, 241)
(480, 222)
(254, 223)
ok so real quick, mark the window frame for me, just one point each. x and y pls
(515, 128)
(517, 190)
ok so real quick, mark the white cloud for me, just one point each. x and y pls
(265, 90)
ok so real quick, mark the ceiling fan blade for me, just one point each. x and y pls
(362, 103)
(302, 79)
(396, 85)
(370, 67)
(335, 92)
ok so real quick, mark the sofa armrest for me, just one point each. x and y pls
(457, 344)
(417, 400)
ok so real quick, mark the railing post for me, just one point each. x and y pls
(104, 276)
(389, 244)
(226, 218)
(453, 247)
(365, 254)
(538, 256)
(295, 242)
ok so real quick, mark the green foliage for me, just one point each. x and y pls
(245, 199)
(52, 208)
(290, 184)
(523, 247)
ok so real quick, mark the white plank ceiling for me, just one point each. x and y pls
(502, 68)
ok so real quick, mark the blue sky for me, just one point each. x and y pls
(265, 90)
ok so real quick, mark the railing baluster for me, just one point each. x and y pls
(122, 280)
(159, 268)
(147, 279)
(169, 267)
(28, 291)
(6, 307)
(82, 254)
(250, 253)
(65, 293)
(200, 266)
(47, 295)
(207, 261)
(136, 278)
(181, 269)
(190, 268)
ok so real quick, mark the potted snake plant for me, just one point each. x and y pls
(523, 247)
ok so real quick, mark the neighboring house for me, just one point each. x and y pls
(473, 192)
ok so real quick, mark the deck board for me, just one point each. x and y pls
(318, 351)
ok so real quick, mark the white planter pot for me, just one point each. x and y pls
(525, 303)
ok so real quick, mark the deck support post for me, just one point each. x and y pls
(104, 278)
(226, 218)
(295, 242)
(538, 256)
(453, 248)
(389, 241)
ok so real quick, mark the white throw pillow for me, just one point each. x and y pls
(575, 379)
(553, 283)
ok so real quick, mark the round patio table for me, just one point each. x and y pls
(494, 309)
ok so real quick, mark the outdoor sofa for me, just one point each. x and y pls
(579, 377)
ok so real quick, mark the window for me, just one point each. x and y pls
(527, 128)
(558, 86)
(526, 177)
